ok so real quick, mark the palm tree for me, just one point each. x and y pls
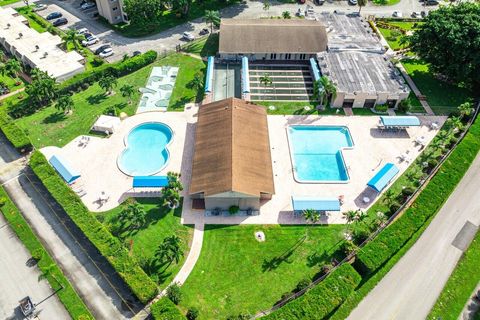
(107, 83)
(46, 272)
(13, 67)
(64, 103)
(170, 250)
(266, 81)
(43, 89)
(324, 90)
(286, 15)
(465, 109)
(171, 193)
(361, 3)
(350, 217)
(72, 37)
(133, 215)
(213, 18)
(455, 123)
(388, 197)
(312, 217)
(197, 82)
(127, 91)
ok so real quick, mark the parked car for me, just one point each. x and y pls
(188, 36)
(39, 7)
(423, 14)
(204, 31)
(89, 41)
(136, 53)
(60, 22)
(54, 15)
(88, 5)
(319, 2)
(102, 48)
(83, 31)
(352, 2)
(106, 53)
(432, 3)
(416, 14)
(300, 13)
(397, 14)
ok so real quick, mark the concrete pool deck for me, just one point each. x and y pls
(97, 164)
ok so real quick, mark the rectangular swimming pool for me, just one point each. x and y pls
(316, 153)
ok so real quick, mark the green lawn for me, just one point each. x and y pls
(29, 14)
(405, 25)
(51, 127)
(11, 82)
(297, 107)
(207, 46)
(169, 19)
(387, 34)
(161, 223)
(5, 2)
(460, 285)
(385, 2)
(441, 96)
(235, 273)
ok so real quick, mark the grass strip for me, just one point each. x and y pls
(109, 246)
(67, 295)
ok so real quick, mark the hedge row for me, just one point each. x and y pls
(70, 299)
(430, 200)
(117, 69)
(110, 247)
(17, 137)
(165, 309)
(322, 299)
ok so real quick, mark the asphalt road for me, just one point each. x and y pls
(19, 279)
(412, 286)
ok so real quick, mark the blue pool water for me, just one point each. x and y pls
(146, 150)
(316, 153)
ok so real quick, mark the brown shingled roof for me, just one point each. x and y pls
(232, 149)
(272, 36)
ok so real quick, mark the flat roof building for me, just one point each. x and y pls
(112, 10)
(266, 39)
(37, 50)
(232, 164)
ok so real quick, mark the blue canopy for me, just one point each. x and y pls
(64, 169)
(209, 76)
(315, 70)
(150, 181)
(383, 177)
(400, 121)
(313, 203)
(245, 76)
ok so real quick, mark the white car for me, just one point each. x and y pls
(89, 41)
(188, 36)
(39, 7)
(82, 31)
(106, 53)
(88, 5)
(397, 14)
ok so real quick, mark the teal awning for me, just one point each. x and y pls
(400, 121)
(313, 203)
(383, 177)
(150, 181)
(209, 74)
(64, 169)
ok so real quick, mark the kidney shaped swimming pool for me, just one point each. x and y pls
(146, 150)
(316, 153)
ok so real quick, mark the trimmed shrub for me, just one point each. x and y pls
(68, 296)
(17, 137)
(304, 283)
(164, 309)
(174, 293)
(381, 108)
(408, 191)
(233, 209)
(429, 201)
(192, 314)
(109, 246)
(322, 299)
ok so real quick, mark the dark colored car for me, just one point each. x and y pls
(54, 15)
(431, 3)
(319, 2)
(204, 31)
(60, 22)
(102, 48)
(136, 53)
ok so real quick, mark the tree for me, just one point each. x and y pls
(197, 82)
(266, 5)
(324, 90)
(169, 250)
(174, 293)
(64, 103)
(388, 197)
(46, 272)
(132, 216)
(2, 56)
(449, 41)
(181, 7)
(213, 18)
(312, 217)
(466, 109)
(72, 37)
(456, 123)
(144, 11)
(107, 83)
(286, 15)
(43, 89)
(350, 217)
(171, 193)
(13, 67)
(361, 3)
(266, 81)
(127, 91)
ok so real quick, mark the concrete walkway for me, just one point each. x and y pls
(413, 285)
(5, 96)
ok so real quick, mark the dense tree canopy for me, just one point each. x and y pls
(449, 41)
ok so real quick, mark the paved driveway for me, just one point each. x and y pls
(19, 279)
(411, 288)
